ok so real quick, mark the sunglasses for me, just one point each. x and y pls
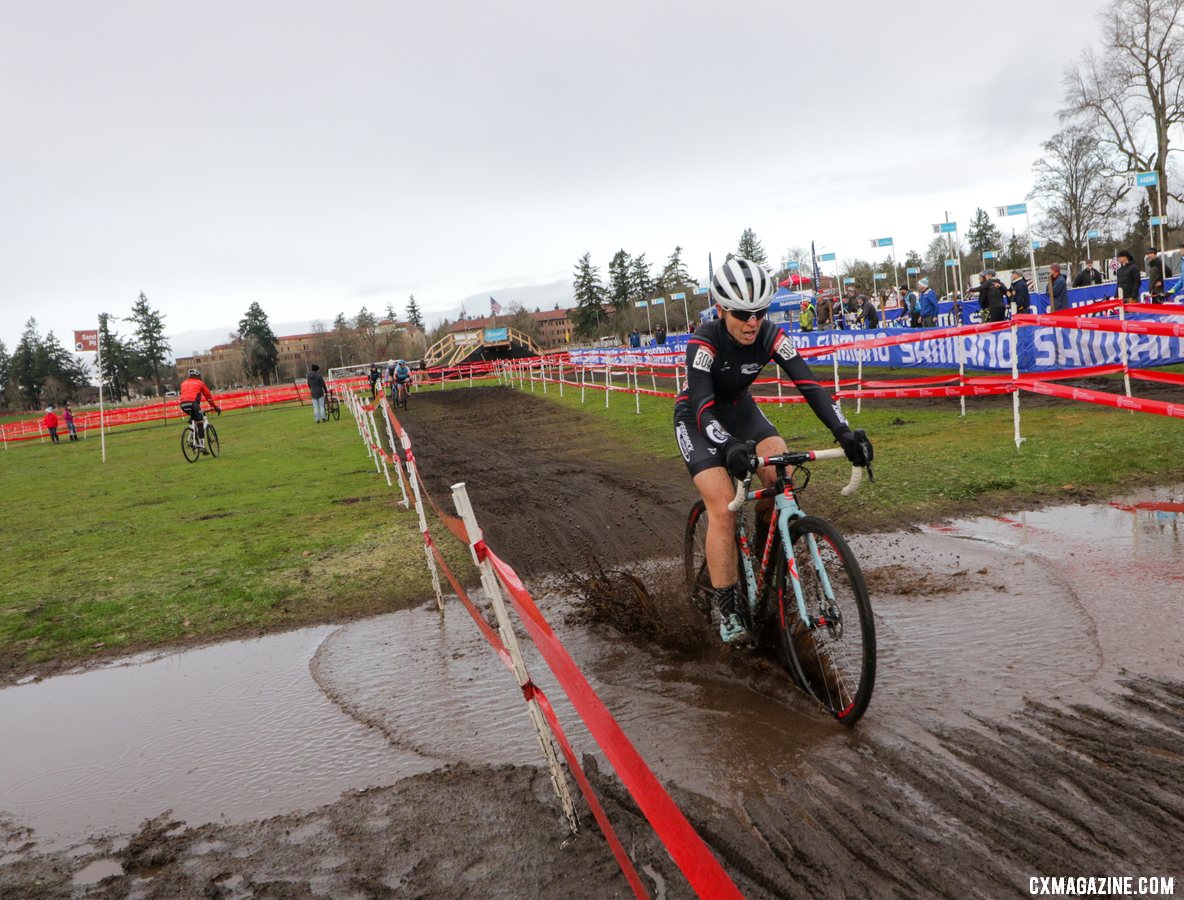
(748, 317)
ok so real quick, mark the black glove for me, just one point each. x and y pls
(857, 447)
(738, 458)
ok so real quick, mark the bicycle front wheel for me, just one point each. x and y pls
(212, 441)
(835, 660)
(188, 447)
(335, 409)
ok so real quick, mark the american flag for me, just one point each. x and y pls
(495, 308)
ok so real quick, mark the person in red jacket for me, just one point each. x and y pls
(51, 423)
(192, 390)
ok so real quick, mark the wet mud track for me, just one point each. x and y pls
(1016, 730)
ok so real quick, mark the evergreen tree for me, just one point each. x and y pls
(5, 374)
(983, 235)
(117, 359)
(589, 295)
(620, 281)
(641, 285)
(675, 276)
(152, 348)
(750, 248)
(26, 380)
(260, 351)
(913, 260)
(414, 316)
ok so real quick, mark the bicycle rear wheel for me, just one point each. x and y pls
(834, 662)
(188, 447)
(212, 440)
(698, 579)
(335, 409)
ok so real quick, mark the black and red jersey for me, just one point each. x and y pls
(720, 371)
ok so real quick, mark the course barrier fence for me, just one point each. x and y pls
(499, 580)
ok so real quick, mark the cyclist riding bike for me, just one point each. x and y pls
(401, 376)
(192, 390)
(719, 426)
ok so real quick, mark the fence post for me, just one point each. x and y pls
(1015, 378)
(385, 406)
(561, 378)
(493, 590)
(375, 441)
(607, 382)
(961, 345)
(859, 384)
(835, 360)
(543, 363)
(582, 375)
(413, 479)
(1126, 368)
(636, 392)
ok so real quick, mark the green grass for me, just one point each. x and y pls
(932, 463)
(292, 525)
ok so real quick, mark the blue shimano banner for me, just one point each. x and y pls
(494, 335)
(1040, 350)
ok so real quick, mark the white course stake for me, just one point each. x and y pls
(1015, 377)
(493, 590)
(390, 435)
(582, 368)
(1126, 370)
(413, 478)
(607, 383)
(636, 392)
(561, 378)
(379, 455)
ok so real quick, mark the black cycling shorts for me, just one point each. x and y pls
(743, 420)
(192, 408)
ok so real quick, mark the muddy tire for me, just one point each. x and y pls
(835, 663)
(698, 580)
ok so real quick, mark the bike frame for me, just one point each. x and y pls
(785, 511)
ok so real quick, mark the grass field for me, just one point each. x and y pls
(292, 525)
(932, 463)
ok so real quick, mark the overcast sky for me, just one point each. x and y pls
(317, 156)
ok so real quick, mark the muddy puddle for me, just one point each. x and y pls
(1024, 719)
(221, 733)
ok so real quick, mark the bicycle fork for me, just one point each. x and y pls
(829, 617)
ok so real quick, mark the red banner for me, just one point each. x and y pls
(86, 340)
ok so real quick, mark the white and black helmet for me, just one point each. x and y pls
(742, 285)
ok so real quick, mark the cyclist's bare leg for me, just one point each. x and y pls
(770, 446)
(716, 487)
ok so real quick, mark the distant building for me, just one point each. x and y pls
(555, 326)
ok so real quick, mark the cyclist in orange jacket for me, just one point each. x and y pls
(192, 390)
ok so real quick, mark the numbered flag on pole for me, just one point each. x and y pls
(86, 340)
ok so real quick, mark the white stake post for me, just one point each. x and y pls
(413, 478)
(102, 418)
(636, 393)
(560, 378)
(583, 371)
(1015, 378)
(379, 455)
(493, 590)
(607, 384)
(1126, 370)
(835, 360)
(390, 436)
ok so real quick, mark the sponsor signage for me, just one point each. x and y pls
(945, 227)
(86, 340)
(1014, 209)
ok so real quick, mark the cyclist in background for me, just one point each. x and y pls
(375, 376)
(192, 390)
(719, 426)
(402, 378)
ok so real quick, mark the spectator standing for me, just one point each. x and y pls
(660, 334)
(807, 315)
(68, 415)
(1057, 291)
(50, 421)
(992, 297)
(826, 317)
(316, 390)
(868, 314)
(634, 338)
(1155, 275)
(1020, 296)
(1129, 278)
(1088, 275)
(927, 304)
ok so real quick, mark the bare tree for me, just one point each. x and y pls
(1074, 184)
(1132, 95)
